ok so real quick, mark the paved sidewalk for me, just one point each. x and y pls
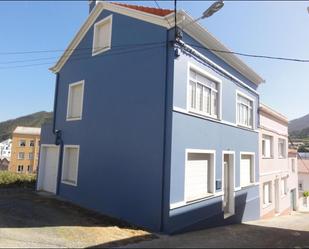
(285, 231)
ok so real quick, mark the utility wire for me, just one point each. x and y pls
(251, 55)
(138, 49)
(157, 4)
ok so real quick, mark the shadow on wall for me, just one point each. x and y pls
(232, 236)
(207, 216)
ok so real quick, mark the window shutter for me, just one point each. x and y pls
(196, 177)
(245, 170)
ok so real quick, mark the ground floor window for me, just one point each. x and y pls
(199, 175)
(284, 188)
(70, 164)
(246, 169)
(20, 168)
(267, 193)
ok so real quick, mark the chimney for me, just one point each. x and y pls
(92, 4)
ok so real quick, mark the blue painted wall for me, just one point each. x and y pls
(121, 135)
(189, 132)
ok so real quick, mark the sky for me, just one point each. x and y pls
(261, 27)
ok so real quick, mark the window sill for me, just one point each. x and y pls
(97, 52)
(267, 157)
(245, 126)
(248, 186)
(215, 117)
(69, 183)
(73, 119)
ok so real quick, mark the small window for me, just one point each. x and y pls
(75, 101)
(246, 170)
(203, 95)
(244, 111)
(70, 165)
(267, 146)
(300, 185)
(30, 156)
(102, 36)
(284, 189)
(21, 156)
(22, 143)
(282, 148)
(29, 169)
(20, 168)
(267, 193)
(199, 176)
(32, 142)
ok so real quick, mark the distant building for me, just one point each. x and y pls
(5, 148)
(25, 149)
(4, 164)
(278, 177)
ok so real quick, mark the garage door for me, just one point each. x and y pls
(196, 176)
(48, 168)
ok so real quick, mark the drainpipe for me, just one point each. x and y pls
(58, 134)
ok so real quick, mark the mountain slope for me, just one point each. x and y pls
(299, 124)
(33, 120)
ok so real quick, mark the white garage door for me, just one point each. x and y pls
(196, 176)
(48, 168)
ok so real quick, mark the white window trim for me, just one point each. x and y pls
(284, 148)
(238, 92)
(286, 191)
(107, 19)
(253, 166)
(63, 160)
(213, 152)
(213, 78)
(270, 193)
(271, 146)
(82, 82)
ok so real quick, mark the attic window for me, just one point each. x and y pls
(102, 36)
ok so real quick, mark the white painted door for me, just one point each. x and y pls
(48, 169)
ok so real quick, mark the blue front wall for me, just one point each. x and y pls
(121, 134)
(189, 132)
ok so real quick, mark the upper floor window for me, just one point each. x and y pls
(293, 165)
(21, 156)
(281, 148)
(31, 143)
(22, 143)
(203, 95)
(267, 146)
(102, 35)
(284, 187)
(244, 111)
(75, 101)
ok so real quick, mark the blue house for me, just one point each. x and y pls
(156, 131)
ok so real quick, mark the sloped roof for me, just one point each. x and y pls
(154, 11)
(27, 130)
(164, 18)
(266, 109)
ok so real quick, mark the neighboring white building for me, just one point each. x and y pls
(303, 182)
(6, 148)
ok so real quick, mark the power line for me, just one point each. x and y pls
(252, 55)
(138, 49)
(157, 4)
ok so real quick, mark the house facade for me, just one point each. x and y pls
(278, 171)
(303, 182)
(159, 133)
(6, 148)
(25, 149)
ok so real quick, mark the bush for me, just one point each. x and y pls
(306, 194)
(11, 179)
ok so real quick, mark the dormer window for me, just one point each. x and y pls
(102, 36)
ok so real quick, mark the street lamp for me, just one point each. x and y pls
(215, 7)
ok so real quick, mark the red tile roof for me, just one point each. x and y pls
(154, 11)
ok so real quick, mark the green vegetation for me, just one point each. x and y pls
(32, 120)
(11, 179)
(306, 194)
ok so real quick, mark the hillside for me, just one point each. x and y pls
(33, 120)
